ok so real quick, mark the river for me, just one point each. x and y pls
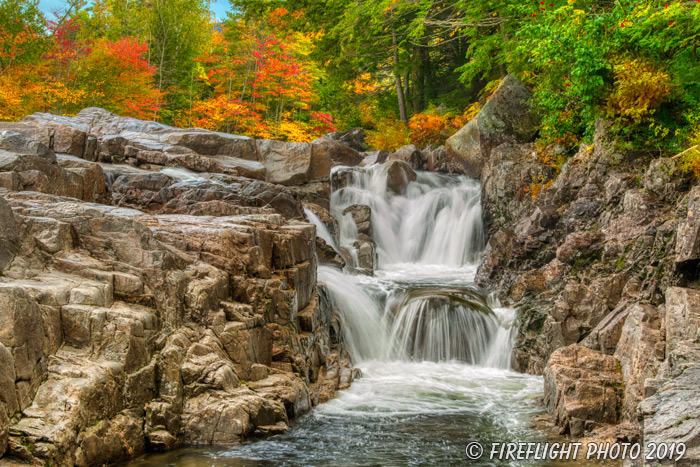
(434, 349)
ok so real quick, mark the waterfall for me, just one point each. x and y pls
(437, 220)
(421, 304)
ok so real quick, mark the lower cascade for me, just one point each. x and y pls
(433, 348)
(420, 304)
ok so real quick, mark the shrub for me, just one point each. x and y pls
(638, 91)
(390, 135)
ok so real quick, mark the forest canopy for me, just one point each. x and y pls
(406, 70)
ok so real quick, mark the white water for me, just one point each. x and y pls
(435, 360)
(436, 222)
(421, 305)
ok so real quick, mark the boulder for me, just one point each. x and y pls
(505, 118)
(582, 389)
(439, 160)
(353, 138)
(398, 175)
(67, 137)
(366, 256)
(18, 143)
(409, 154)
(294, 163)
(340, 154)
(362, 216)
(373, 157)
(209, 143)
(9, 238)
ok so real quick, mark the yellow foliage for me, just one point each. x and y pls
(535, 188)
(691, 159)
(390, 135)
(25, 89)
(639, 90)
(298, 132)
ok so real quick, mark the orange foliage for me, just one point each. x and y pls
(224, 114)
(429, 128)
(118, 77)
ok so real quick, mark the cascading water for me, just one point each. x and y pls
(434, 349)
(436, 222)
(421, 305)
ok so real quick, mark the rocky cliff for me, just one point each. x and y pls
(601, 258)
(157, 287)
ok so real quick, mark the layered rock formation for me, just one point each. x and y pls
(155, 289)
(602, 264)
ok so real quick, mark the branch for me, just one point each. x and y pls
(677, 156)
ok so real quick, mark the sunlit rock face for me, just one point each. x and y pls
(155, 290)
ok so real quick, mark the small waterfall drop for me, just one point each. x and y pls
(436, 222)
(434, 350)
(421, 304)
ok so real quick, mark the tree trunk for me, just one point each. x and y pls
(419, 82)
(397, 79)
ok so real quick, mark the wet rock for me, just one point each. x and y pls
(366, 256)
(505, 118)
(373, 157)
(399, 175)
(362, 216)
(341, 178)
(409, 154)
(327, 254)
(582, 389)
(439, 160)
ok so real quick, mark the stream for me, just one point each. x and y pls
(434, 349)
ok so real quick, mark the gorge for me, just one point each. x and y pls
(163, 288)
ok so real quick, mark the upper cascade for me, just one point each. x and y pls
(436, 220)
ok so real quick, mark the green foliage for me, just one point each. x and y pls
(22, 32)
(634, 61)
